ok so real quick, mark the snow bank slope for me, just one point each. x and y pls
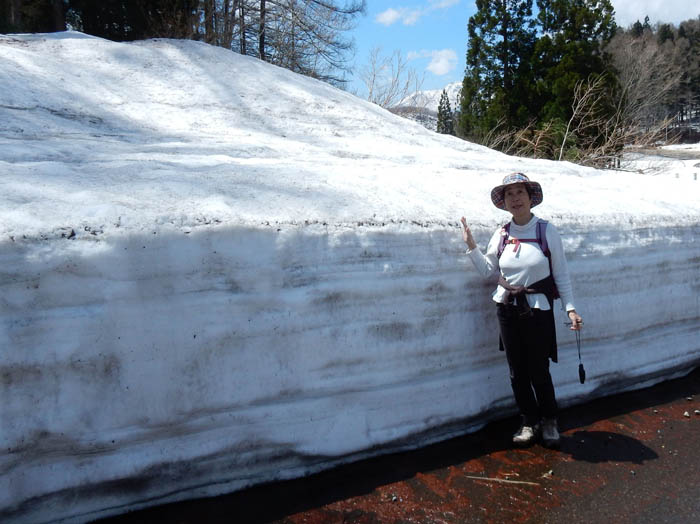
(215, 273)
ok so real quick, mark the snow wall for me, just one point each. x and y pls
(144, 365)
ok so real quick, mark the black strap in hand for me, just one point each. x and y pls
(581, 371)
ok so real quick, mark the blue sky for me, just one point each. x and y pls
(432, 34)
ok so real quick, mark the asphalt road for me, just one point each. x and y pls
(628, 458)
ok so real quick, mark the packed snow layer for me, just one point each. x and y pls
(215, 273)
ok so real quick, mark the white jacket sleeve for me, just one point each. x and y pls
(487, 265)
(560, 270)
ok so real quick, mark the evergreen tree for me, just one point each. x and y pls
(570, 50)
(664, 33)
(495, 87)
(637, 29)
(445, 118)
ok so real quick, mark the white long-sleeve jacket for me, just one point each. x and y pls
(524, 264)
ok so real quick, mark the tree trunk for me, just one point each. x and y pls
(15, 14)
(58, 15)
(505, 22)
(228, 17)
(209, 9)
(261, 32)
(242, 24)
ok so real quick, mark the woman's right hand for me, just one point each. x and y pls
(467, 235)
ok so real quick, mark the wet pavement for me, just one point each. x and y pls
(628, 458)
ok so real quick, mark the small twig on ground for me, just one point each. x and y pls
(503, 480)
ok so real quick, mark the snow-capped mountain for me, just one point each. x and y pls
(429, 99)
(422, 106)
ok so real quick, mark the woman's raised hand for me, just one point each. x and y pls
(467, 235)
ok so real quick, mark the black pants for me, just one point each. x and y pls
(527, 342)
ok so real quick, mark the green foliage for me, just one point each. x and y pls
(664, 33)
(523, 69)
(637, 29)
(501, 36)
(445, 121)
(569, 50)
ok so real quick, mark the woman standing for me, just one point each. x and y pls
(528, 257)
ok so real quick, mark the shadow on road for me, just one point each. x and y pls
(603, 446)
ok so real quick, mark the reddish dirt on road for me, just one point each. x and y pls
(628, 458)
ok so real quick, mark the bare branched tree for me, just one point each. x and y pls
(605, 120)
(308, 36)
(647, 76)
(587, 111)
(388, 79)
(531, 141)
(606, 116)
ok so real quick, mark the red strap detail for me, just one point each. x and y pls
(517, 241)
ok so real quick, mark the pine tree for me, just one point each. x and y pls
(494, 90)
(445, 118)
(569, 51)
(637, 29)
(664, 33)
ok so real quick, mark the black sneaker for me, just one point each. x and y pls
(550, 433)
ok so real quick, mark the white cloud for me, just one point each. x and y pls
(408, 16)
(628, 12)
(411, 15)
(442, 61)
(443, 4)
(388, 17)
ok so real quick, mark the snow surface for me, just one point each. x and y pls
(678, 161)
(215, 273)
